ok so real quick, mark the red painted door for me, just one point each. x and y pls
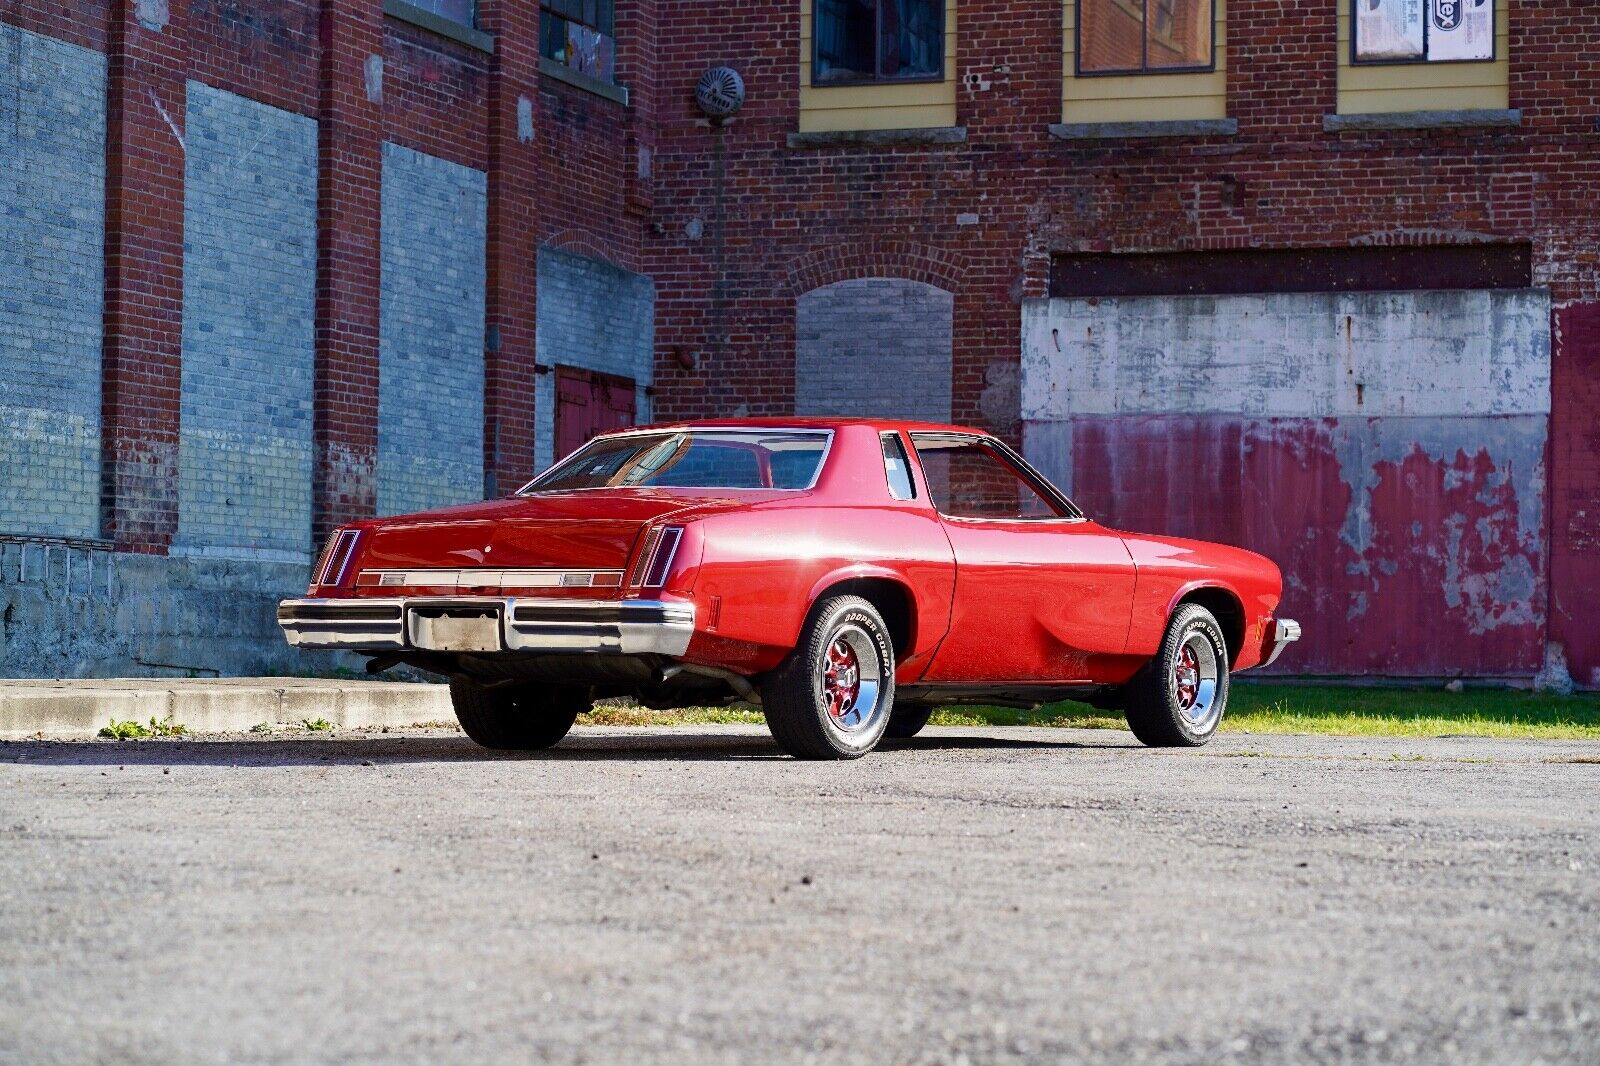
(587, 404)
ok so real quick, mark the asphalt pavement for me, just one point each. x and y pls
(689, 895)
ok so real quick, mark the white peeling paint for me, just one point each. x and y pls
(1309, 355)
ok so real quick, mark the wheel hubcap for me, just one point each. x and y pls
(851, 679)
(1195, 673)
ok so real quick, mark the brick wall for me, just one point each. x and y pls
(873, 347)
(249, 305)
(430, 405)
(596, 316)
(52, 206)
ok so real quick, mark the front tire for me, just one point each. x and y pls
(516, 717)
(832, 697)
(1178, 698)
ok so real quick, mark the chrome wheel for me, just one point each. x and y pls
(850, 677)
(1194, 680)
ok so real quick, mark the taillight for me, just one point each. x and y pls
(655, 562)
(335, 560)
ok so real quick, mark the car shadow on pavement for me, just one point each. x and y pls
(379, 749)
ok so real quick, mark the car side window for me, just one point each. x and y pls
(897, 468)
(969, 478)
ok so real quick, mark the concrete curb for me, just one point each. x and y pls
(214, 705)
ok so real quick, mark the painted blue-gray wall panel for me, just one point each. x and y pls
(595, 316)
(52, 219)
(430, 395)
(249, 306)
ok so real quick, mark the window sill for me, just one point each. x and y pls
(455, 31)
(1092, 131)
(933, 135)
(579, 80)
(1421, 120)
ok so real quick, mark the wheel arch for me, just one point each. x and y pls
(1225, 606)
(887, 592)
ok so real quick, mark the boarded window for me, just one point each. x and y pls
(1423, 31)
(877, 40)
(580, 34)
(1145, 36)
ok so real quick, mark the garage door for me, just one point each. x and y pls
(1387, 449)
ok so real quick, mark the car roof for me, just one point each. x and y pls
(815, 422)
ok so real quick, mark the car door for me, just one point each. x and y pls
(1041, 593)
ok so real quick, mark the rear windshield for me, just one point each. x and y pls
(691, 459)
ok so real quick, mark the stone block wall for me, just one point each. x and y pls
(430, 352)
(52, 216)
(874, 347)
(249, 304)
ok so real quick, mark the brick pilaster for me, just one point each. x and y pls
(349, 217)
(147, 60)
(510, 304)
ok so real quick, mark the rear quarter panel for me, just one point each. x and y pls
(1170, 568)
(760, 571)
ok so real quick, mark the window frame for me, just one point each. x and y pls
(1146, 70)
(547, 11)
(1020, 466)
(877, 52)
(1423, 60)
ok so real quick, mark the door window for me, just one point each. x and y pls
(969, 478)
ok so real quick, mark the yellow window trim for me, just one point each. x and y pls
(890, 106)
(1148, 97)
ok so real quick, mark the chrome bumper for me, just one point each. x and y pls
(1281, 632)
(488, 624)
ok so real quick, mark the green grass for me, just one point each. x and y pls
(1324, 709)
(131, 730)
(317, 725)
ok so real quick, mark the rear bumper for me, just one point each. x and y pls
(489, 624)
(1281, 632)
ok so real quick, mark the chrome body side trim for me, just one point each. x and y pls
(489, 624)
(1281, 633)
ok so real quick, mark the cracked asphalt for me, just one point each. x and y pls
(975, 895)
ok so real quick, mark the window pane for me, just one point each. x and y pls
(846, 32)
(1180, 33)
(1110, 35)
(913, 38)
(1389, 29)
(897, 468)
(968, 479)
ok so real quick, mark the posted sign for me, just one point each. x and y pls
(1435, 31)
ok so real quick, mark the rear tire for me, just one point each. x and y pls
(907, 719)
(832, 697)
(1178, 698)
(517, 717)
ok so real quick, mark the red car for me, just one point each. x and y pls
(847, 575)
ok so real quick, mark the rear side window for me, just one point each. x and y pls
(897, 468)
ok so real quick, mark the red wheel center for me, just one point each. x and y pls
(1186, 677)
(841, 678)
